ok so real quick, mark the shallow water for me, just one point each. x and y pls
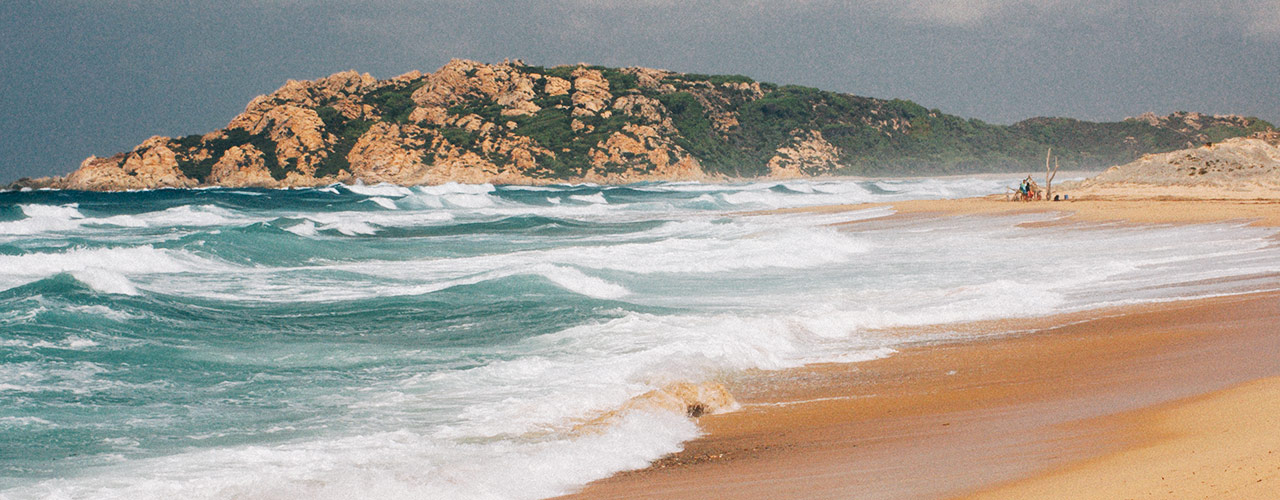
(444, 342)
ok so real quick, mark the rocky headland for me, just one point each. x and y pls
(513, 123)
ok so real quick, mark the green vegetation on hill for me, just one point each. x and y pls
(200, 170)
(732, 125)
(394, 103)
(897, 137)
(347, 132)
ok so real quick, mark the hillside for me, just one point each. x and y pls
(512, 123)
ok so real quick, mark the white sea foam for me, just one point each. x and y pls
(188, 215)
(384, 203)
(68, 211)
(44, 218)
(380, 190)
(574, 280)
(366, 223)
(675, 250)
(305, 228)
(104, 269)
(63, 218)
(468, 200)
(589, 198)
(350, 227)
(73, 343)
(390, 465)
(79, 377)
(140, 259)
(455, 188)
(555, 187)
(23, 421)
(583, 371)
(837, 191)
(568, 278)
(106, 281)
(789, 249)
(452, 196)
(721, 293)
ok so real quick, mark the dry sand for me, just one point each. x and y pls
(1144, 211)
(1223, 445)
(1118, 403)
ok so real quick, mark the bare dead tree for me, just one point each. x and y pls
(1049, 175)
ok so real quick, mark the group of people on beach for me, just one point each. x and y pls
(1028, 190)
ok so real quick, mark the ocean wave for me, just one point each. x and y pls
(44, 218)
(590, 198)
(674, 249)
(104, 269)
(78, 377)
(8, 421)
(376, 190)
(102, 311)
(455, 188)
(550, 187)
(444, 196)
(580, 373)
(298, 284)
(387, 465)
(484, 342)
(788, 249)
(193, 215)
(65, 218)
(305, 228)
(354, 223)
(70, 343)
(576, 281)
(384, 203)
(567, 278)
(106, 281)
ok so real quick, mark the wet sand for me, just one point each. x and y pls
(936, 421)
(1085, 405)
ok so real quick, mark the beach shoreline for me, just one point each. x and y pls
(993, 411)
(1254, 211)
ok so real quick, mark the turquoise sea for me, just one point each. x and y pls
(449, 341)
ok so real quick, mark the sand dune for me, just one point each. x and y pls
(1237, 168)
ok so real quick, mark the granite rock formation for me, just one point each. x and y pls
(513, 123)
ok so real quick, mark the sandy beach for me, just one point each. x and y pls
(1261, 211)
(1172, 400)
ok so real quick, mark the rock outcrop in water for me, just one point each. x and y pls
(692, 400)
(512, 123)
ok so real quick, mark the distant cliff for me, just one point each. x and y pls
(512, 123)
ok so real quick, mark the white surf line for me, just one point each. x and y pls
(808, 401)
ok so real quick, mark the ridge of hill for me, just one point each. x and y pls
(512, 123)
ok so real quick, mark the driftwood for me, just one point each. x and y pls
(1048, 176)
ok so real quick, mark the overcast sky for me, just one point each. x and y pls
(84, 77)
